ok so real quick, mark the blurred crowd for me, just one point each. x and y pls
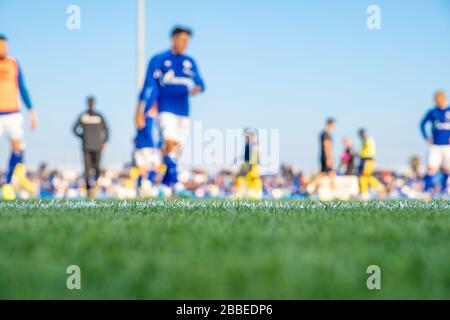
(199, 184)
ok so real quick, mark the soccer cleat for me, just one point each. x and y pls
(8, 193)
(20, 175)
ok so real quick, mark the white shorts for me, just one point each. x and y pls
(11, 125)
(174, 128)
(439, 157)
(148, 158)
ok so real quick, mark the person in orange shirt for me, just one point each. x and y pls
(12, 86)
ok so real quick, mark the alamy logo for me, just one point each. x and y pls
(74, 279)
(374, 19)
(374, 280)
(215, 147)
(74, 19)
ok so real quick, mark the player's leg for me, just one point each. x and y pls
(147, 160)
(445, 168)
(175, 132)
(96, 159)
(183, 128)
(434, 164)
(364, 187)
(241, 181)
(313, 185)
(169, 128)
(16, 157)
(138, 169)
(14, 130)
(374, 182)
(445, 175)
(20, 172)
(170, 161)
(377, 185)
(7, 191)
(13, 126)
(142, 182)
(97, 165)
(135, 172)
(363, 180)
(149, 173)
(254, 182)
(241, 186)
(87, 171)
(154, 164)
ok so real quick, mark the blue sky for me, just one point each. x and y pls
(268, 64)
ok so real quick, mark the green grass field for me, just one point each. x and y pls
(224, 250)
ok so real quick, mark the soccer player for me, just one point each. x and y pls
(439, 141)
(347, 163)
(367, 166)
(172, 77)
(248, 181)
(147, 154)
(92, 129)
(12, 85)
(326, 156)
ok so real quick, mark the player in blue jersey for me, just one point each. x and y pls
(439, 141)
(12, 86)
(147, 155)
(172, 77)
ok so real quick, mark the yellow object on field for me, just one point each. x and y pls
(367, 180)
(20, 177)
(249, 183)
(8, 193)
(134, 173)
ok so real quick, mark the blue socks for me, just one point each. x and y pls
(152, 176)
(139, 181)
(444, 182)
(15, 159)
(429, 183)
(171, 176)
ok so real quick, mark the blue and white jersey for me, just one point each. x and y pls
(440, 126)
(145, 137)
(170, 77)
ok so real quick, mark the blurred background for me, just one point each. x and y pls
(268, 64)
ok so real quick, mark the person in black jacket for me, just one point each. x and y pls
(91, 127)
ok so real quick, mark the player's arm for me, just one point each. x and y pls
(423, 128)
(27, 100)
(149, 93)
(105, 131)
(78, 128)
(198, 80)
